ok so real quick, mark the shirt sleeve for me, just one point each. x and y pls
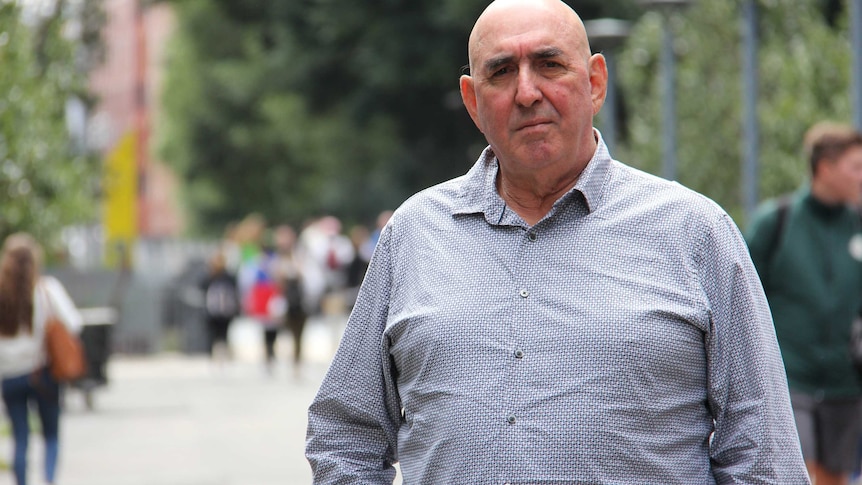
(354, 419)
(61, 304)
(755, 439)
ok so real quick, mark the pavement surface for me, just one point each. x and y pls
(173, 419)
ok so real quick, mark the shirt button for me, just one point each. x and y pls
(511, 419)
(519, 354)
(524, 293)
(532, 236)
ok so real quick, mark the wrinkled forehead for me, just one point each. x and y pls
(511, 28)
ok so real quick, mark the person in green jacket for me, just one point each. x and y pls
(807, 248)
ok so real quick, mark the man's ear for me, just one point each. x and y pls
(598, 81)
(468, 96)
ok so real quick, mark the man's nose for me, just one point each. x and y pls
(528, 92)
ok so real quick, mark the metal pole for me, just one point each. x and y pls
(856, 52)
(669, 103)
(610, 109)
(751, 128)
(141, 118)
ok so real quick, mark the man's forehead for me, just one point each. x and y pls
(518, 51)
(520, 32)
(528, 45)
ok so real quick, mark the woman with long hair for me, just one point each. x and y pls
(27, 299)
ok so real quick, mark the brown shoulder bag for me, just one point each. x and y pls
(64, 349)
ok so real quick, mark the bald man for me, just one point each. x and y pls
(554, 316)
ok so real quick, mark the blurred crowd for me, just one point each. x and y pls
(280, 275)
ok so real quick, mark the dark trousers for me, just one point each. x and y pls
(217, 328)
(42, 390)
(295, 322)
(270, 334)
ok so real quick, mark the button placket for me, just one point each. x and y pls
(518, 367)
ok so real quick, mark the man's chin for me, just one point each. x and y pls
(537, 155)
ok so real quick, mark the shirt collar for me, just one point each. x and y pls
(479, 191)
(593, 179)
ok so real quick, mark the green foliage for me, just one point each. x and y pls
(298, 108)
(302, 107)
(44, 184)
(805, 69)
(804, 77)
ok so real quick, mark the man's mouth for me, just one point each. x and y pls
(532, 124)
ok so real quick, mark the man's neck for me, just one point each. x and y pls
(533, 195)
(824, 194)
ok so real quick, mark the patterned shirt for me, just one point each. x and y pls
(623, 339)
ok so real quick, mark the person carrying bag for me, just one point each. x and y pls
(63, 349)
(28, 302)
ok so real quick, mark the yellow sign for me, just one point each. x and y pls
(120, 185)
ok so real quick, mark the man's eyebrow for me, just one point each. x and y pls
(495, 62)
(548, 53)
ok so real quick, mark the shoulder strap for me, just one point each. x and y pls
(46, 295)
(781, 220)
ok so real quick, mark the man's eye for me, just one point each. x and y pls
(552, 64)
(501, 72)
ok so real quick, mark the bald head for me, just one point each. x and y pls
(534, 88)
(514, 11)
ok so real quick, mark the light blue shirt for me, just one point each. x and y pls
(623, 339)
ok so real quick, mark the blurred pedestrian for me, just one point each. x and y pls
(359, 237)
(553, 315)
(328, 253)
(264, 302)
(368, 248)
(221, 306)
(247, 242)
(27, 300)
(261, 299)
(289, 269)
(808, 250)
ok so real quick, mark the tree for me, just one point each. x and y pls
(295, 108)
(45, 183)
(298, 108)
(804, 78)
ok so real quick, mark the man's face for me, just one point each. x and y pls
(844, 175)
(534, 88)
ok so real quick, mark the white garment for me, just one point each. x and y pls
(24, 353)
(319, 277)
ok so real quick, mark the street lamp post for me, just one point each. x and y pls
(751, 127)
(605, 35)
(856, 50)
(668, 75)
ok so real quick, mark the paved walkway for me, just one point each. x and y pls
(178, 420)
